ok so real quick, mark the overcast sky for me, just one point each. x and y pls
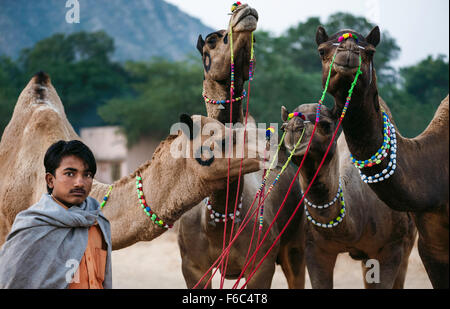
(421, 27)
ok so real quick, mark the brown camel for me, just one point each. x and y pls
(419, 183)
(368, 229)
(201, 240)
(171, 185)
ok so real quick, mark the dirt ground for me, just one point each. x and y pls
(157, 265)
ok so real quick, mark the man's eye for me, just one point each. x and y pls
(70, 174)
(89, 175)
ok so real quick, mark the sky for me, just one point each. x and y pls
(420, 27)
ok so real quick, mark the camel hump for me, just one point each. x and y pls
(438, 126)
(41, 78)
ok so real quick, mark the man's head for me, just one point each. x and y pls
(69, 171)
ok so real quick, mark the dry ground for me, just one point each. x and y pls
(157, 265)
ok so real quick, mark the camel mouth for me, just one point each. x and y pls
(345, 69)
(300, 151)
(245, 20)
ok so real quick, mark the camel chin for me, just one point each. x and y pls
(345, 70)
(245, 20)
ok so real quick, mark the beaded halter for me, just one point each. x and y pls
(339, 219)
(250, 73)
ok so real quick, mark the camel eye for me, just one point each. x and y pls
(325, 126)
(321, 52)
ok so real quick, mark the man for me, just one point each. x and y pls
(63, 241)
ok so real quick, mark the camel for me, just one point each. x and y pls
(171, 185)
(200, 240)
(368, 228)
(420, 182)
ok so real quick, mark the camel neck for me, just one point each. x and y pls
(363, 122)
(325, 186)
(165, 194)
(218, 92)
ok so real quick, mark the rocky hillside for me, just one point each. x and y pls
(141, 28)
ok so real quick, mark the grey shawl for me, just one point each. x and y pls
(47, 242)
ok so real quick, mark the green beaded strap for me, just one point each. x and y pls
(105, 198)
(139, 188)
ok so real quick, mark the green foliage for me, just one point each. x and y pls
(423, 86)
(9, 89)
(162, 91)
(81, 72)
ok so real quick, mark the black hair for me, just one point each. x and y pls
(56, 152)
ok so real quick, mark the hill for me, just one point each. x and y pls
(141, 28)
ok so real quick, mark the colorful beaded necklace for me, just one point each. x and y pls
(139, 188)
(219, 217)
(392, 165)
(211, 101)
(382, 152)
(326, 205)
(333, 222)
(142, 202)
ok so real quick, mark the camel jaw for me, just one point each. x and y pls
(246, 19)
(345, 69)
(299, 152)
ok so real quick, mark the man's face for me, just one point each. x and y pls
(72, 181)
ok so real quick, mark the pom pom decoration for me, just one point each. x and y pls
(296, 114)
(348, 35)
(269, 132)
(235, 6)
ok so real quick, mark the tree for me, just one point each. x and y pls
(81, 70)
(415, 99)
(10, 80)
(162, 90)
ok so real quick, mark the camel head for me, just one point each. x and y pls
(207, 140)
(322, 137)
(348, 49)
(215, 48)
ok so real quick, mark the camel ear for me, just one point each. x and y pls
(321, 35)
(284, 114)
(374, 36)
(187, 120)
(200, 44)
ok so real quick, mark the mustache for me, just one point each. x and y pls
(79, 190)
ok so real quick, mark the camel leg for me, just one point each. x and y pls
(320, 266)
(399, 282)
(292, 261)
(437, 270)
(384, 268)
(262, 279)
(192, 274)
